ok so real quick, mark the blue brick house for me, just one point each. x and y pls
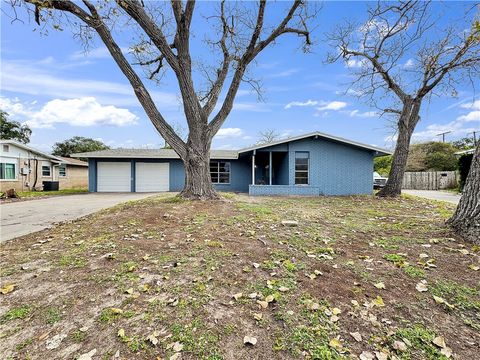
(311, 164)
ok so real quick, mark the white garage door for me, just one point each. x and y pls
(113, 177)
(151, 177)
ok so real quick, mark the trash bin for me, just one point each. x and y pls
(50, 185)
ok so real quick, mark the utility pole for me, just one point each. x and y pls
(474, 137)
(443, 135)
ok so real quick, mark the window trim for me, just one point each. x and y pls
(218, 172)
(14, 171)
(59, 174)
(302, 171)
(49, 170)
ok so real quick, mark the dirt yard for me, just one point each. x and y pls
(356, 277)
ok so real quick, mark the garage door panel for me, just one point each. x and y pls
(152, 177)
(114, 177)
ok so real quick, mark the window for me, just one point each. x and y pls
(62, 170)
(220, 172)
(46, 170)
(7, 171)
(6, 148)
(301, 167)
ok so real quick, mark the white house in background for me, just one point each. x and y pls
(23, 168)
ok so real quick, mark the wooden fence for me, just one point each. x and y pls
(430, 180)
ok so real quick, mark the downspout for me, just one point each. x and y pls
(35, 160)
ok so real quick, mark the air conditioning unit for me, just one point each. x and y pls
(25, 170)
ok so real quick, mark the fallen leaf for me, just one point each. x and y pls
(263, 304)
(381, 355)
(121, 333)
(439, 341)
(335, 343)
(399, 345)
(422, 287)
(283, 289)
(474, 267)
(116, 310)
(237, 296)
(129, 291)
(440, 300)
(249, 340)
(336, 311)
(153, 338)
(423, 256)
(366, 355)
(177, 346)
(447, 352)
(7, 289)
(87, 356)
(378, 301)
(269, 298)
(357, 336)
(379, 285)
(257, 316)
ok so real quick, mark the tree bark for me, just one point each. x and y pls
(198, 185)
(406, 124)
(466, 220)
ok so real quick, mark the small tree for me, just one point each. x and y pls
(268, 136)
(465, 143)
(77, 144)
(431, 156)
(239, 33)
(13, 130)
(466, 220)
(400, 63)
(382, 164)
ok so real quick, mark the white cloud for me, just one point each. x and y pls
(358, 113)
(356, 63)
(461, 126)
(225, 133)
(285, 73)
(34, 79)
(409, 64)
(97, 53)
(332, 105)
(84, 112)
(299, 103)
(253, 106)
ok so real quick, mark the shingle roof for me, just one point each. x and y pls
(221, 154)
(379, 151)
(71, 161)
(151, 153)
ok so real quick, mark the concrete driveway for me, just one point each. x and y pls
(25, 217)
(435, 195)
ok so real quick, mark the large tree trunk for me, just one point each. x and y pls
(466, 220)
(406, 124)
(198, 184)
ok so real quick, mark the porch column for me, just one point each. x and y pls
(253, 168)
(270, 168)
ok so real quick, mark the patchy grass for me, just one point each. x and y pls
(35, 194)
(163, 276)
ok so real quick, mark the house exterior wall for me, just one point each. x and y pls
(240, 174)
(76, 175)
(334, 169)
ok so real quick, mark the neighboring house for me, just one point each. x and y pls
(22, 168)
(311, 164)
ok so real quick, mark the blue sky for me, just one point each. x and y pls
(51, 84)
